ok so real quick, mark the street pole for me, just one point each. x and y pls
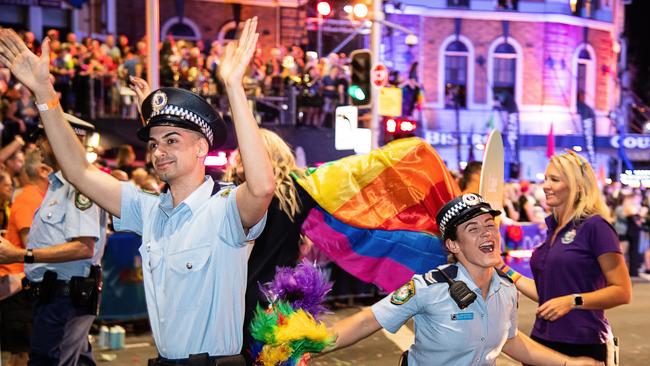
(319, 41)
(375, 40)
(153, 37)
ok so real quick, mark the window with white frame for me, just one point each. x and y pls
(504, 71)
(456, 56)
(584, 76)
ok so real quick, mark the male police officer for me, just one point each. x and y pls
(193, 251)
(465, 313)
(65, 246)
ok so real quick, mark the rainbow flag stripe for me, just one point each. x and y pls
(398, 187)
(377, 211)
(386, 258)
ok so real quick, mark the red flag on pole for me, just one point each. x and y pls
(550, 143)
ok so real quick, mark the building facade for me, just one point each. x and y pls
(544, 55)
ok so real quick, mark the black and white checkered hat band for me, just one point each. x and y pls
(467, 201)
(183, 113)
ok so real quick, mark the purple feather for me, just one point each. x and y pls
(302, 287)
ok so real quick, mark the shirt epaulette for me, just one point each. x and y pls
(503, 275)
(434, 275)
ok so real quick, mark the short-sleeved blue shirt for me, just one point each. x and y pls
(447, 334)
(570, 266)
(193, 266)
(65, 215)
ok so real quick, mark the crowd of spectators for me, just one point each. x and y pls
(92, 76)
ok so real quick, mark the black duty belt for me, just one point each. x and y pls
(59, 287)
(201, 359)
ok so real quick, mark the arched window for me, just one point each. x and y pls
(505, 70)
(228, 32)
(584, 76)
(187, 29)
(456, 55)
(456, 73)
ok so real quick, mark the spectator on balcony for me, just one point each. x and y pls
(123, 44)
(331, 94)
(62, 69)
(110, 49)
(13, 123)
(30, 41)
(312, 98)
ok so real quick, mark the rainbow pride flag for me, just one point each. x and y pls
(377, 212)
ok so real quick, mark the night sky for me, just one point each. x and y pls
(637, 28)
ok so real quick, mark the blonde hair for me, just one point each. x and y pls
(579, 176)
(284, 166)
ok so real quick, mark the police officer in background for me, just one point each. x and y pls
(62, 275)
(465, 313)
(194, 236)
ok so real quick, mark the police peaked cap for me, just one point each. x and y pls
(182, 108)
(79, 126)
(462, 209)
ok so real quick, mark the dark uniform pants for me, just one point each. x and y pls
(60, 334)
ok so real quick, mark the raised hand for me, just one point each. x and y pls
(140, 87)
(31, 70)
(238, 55)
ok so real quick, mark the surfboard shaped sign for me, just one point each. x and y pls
(492, 172)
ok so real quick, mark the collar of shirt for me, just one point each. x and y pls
(192, 202)
(463, 275)
(551, 224)
(56, 179)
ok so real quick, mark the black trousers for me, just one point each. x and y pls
(596, 351)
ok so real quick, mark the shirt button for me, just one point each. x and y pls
(162, 320)
(188, 265)
(49, 215)
(482, 339)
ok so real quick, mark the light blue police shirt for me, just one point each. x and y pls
(194, 266)
(62, 217)
(447, 334)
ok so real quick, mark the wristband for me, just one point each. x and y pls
(47, 106)
(511, 273)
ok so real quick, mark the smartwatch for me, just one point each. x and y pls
(577, 301)
(29, 256)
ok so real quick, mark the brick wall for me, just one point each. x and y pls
(544, 82)
(208, 16)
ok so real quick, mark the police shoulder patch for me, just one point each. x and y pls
(403, 294)
(226, 192)
(82, 202)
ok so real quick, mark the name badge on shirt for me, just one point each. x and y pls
(462, 316)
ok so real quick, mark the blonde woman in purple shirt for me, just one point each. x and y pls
(579, 271)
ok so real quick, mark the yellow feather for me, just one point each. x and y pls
(273, 355)
(302, 325)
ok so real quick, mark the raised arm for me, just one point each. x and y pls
(355, 328)
(254, 196)
(34, 73)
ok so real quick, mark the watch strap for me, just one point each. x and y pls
(29, 256)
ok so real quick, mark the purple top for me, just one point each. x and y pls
(570, 266)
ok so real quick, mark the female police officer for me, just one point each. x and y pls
(193, 252)
(458, 325)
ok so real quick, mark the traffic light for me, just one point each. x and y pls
(360, 88)
(395, 128)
